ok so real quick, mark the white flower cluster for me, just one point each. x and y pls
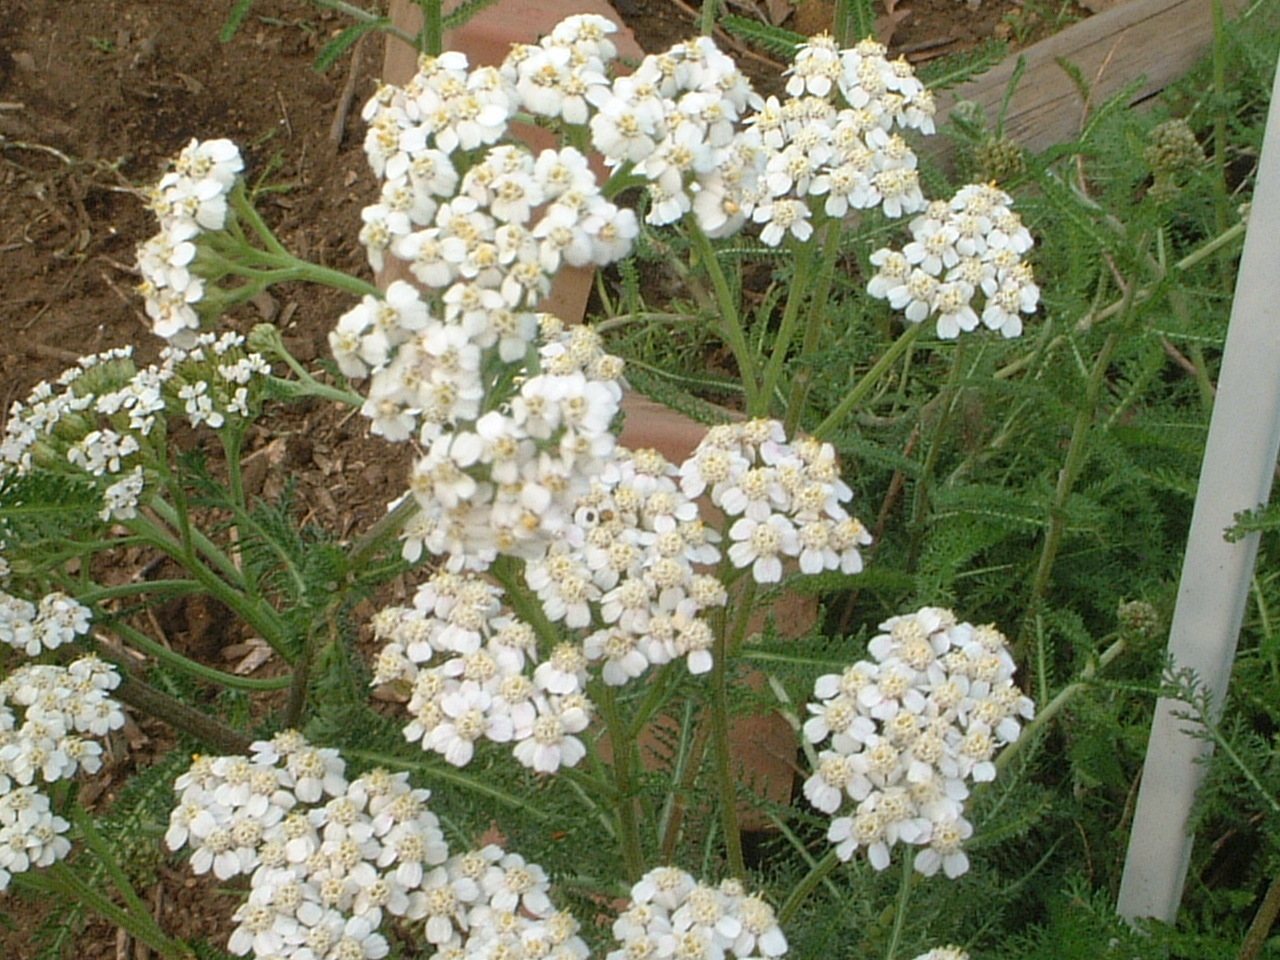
(681, 120)
(331, 860)
(507, 481)
(100, 418)
(628, 565)
(32, 629)
(787, 498)
(473, 672)
(189, 200)
(47, 714)
(673, 915)
(907, 734)
(970, 244)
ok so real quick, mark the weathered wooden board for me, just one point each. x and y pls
(1159, 40)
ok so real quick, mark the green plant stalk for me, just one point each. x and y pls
(622, 737)
(727, 641)
(385, 527)
(814, 325)
(1209, 249)
(208, 549)
(172, 588)
(431, 39)
(1055, 706)
(260, 616)
(176, 713)
(730, 321)
(808, 883)
(449, 775)
(1072, 465)
(301, 682)
(946, 400)
(900, 907)
(193, 668)
(63, 879)
(801, 280)
(364, 16)
(869, 380)
(1263, 920)
(707, 19)
(96, 844)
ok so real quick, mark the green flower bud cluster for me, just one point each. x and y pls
(1172, 152)
(1000, 160)
(1139, 619)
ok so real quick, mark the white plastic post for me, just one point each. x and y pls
(1239, 460)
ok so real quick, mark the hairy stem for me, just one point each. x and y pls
(869, 380)
(730, 321)
(62, 878)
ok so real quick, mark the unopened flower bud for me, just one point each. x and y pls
(1172, 148)
(1138, 618)
(265, 339)
(1000, 160)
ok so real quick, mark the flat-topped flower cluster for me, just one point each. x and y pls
(672, 914)
(99, 423)
(473, 671)
(331, 860)
(973, 243)
(48, 715)
(909, 730)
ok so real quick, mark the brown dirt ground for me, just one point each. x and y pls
(95, 95)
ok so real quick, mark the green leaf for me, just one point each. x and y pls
(950, 71)
(339, 44)
(464, 12)
(784, 43)
(234, 19)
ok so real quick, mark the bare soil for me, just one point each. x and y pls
(95, 96)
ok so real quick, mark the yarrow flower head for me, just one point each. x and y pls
(905, 734)
(786, 499)
(189, 200)
(99, 422)
(971, 246)
(48, 717)
(332, 862)
(673, 914)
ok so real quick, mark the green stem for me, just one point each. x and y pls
(385, 527)
(801, 280)
(622, 736)
(720, 738)
(730, 321)
(1263, 920)
(172, 588)
(1072, 465)
(62, 878)
(817, 873)
(1055, 706)
(900, 909)
(259, 615)
(301, 682)
(364, 16)
(208, 549)
(707, 20)
(95, 842)
(869, 380)
(431, 40)
(224, 739)
(814, 326)
(193, 668)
